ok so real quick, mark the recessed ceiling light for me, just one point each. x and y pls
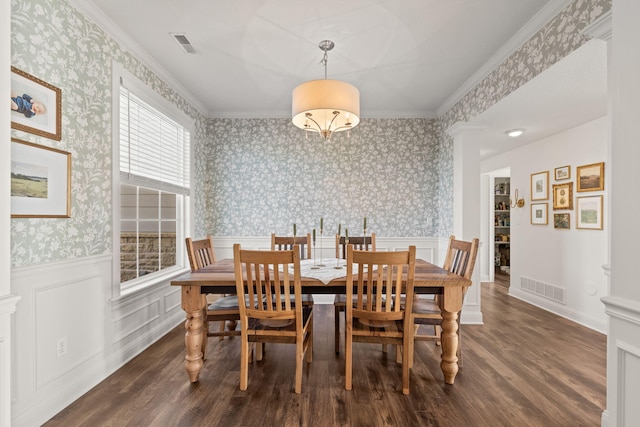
(514, 133)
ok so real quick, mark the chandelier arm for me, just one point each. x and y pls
(319, 130)
(335, 115)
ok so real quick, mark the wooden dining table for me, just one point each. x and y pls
(219, 278)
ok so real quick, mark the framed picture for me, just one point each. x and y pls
(591, 177)
(539, 214)
(540, 186)
(563, 196)
(36, 106)
(589, 212)
(561, 220)
(40, 181)
(563, 172)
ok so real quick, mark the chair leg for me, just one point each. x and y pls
(336, 311)
(205, 332)
(406, 350)
(244, 363)
(220, 338)
(299, 359)
(348, 355)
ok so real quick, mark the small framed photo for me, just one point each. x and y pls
(589, 212)
(36, 106)
(591, 177)
(561, 220)
(540, 186)
(563, 196)
(40, 181)
(563, 172)
(539, 214)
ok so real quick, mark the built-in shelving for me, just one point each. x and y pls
(502, 224)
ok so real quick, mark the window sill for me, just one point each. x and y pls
(146, 287)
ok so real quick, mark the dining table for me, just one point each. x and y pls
(219, 278)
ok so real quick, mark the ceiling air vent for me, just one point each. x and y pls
(184, 42)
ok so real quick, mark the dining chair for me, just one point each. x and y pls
(380, 277)
(223, 308)
(280, 243)
(459, 259)
(269, 314)
(361, 243)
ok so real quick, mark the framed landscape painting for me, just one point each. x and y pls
(563, 172)
(36, 106)
(540, 186)
(561, 221)
(589, 212)
(591, 177)
(40, 181)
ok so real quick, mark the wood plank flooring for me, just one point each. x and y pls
(523, 367)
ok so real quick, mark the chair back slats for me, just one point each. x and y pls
(382, 277)
(267, 283)
(360, 243)
(461, 257)
(285, 243)
(200, 252)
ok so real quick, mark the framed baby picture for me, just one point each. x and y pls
(36, 106)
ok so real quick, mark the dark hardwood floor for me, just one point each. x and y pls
(523, 367)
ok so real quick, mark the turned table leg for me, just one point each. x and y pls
(193, 305)
(450, 305)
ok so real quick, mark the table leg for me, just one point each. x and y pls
(193, 305)
(450, 305)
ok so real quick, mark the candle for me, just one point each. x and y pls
(294, 229)
(365, 222)
(339, 229)
(314, 236)
(321, 225)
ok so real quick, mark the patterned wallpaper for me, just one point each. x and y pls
(254, 176)
(54, 42)
(265, 176)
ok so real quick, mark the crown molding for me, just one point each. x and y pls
(600, 28)
(535, 24)
(95, 15)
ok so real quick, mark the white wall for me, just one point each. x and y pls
(570, 259)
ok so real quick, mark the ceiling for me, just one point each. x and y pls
(408, 58)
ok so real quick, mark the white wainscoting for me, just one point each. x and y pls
(8, 305)
(623, 360)
(68, 304)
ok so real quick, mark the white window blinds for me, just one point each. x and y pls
(154, 149)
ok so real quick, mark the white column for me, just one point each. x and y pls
(466, 204)
(623, 303)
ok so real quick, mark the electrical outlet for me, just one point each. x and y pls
(61, 347)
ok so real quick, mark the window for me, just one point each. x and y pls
(153, 178)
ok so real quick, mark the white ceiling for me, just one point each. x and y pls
(408, 58)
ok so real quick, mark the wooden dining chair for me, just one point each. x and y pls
(460, 259)
(361, 243)
(221, 309)
(281, 243)
(380, 277)
(269, 313)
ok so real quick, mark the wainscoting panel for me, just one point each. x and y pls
(69, 334)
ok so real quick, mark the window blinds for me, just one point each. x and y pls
(154, 149)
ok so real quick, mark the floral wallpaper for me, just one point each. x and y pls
(51, 40)
(265, 176)
(254, 176)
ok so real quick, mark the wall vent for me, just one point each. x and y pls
(184, 42)
(552, 292)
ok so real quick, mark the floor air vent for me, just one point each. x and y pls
(552, 292)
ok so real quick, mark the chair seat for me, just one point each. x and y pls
(340, 300)
(225, 303)
(286, 325)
